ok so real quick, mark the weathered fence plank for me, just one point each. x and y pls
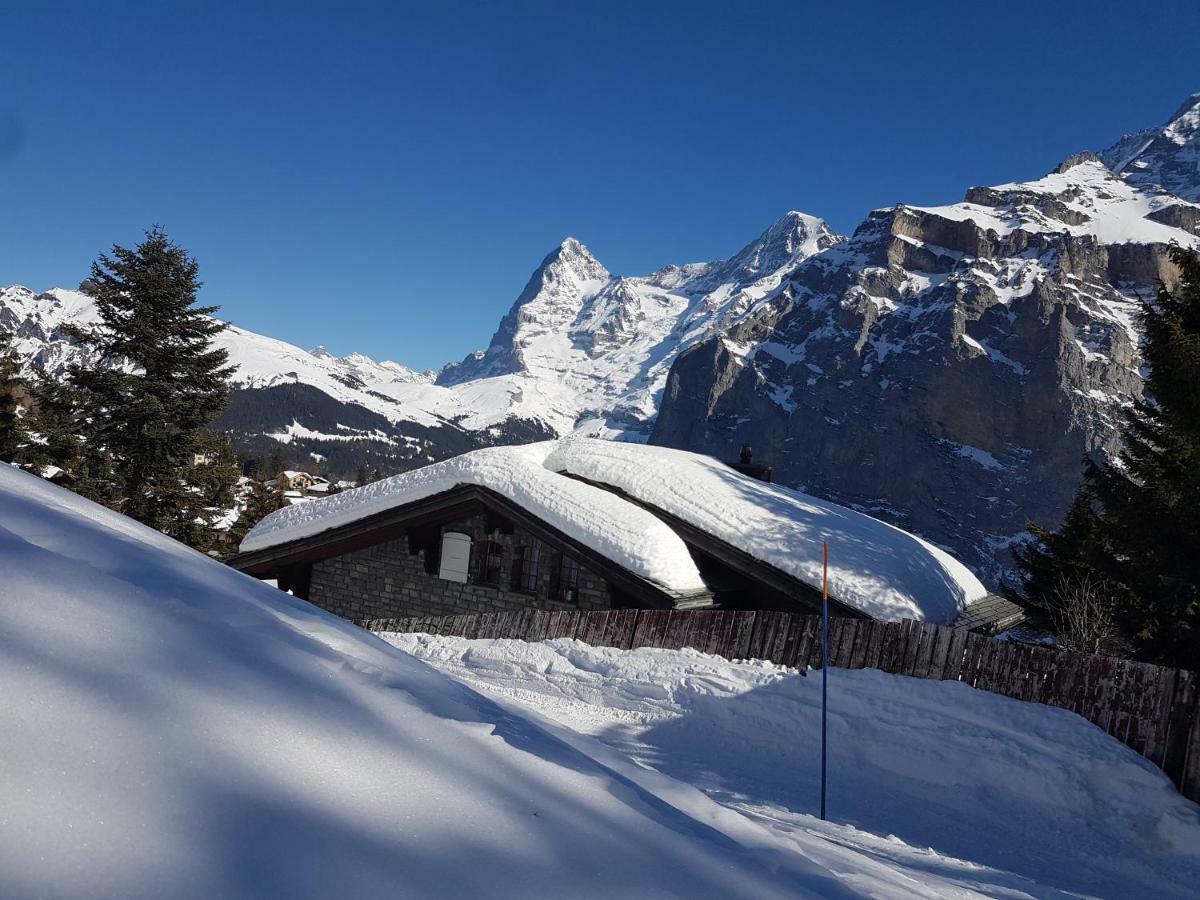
(739, 634)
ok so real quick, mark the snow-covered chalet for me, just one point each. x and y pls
(590, 524)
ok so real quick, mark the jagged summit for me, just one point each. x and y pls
(794, 235)
(583, 350)
(1167, 157)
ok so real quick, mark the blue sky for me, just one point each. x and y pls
(384, 177)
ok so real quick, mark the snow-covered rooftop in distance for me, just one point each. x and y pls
(885, 572)
(618, 530)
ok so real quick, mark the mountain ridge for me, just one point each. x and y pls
(864, 378)
(856, 365)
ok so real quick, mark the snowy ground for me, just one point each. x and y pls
(936, 789)
(172, 728)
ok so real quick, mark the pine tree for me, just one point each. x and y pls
(212, 479)
(13, 435)
(1135, 526)
(275, 464)
(56, 421)
(158, 382)
(260, 502)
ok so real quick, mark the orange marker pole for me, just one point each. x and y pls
(824, 664)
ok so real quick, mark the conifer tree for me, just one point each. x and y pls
(275, 464)
(13, 434)
(1136, 525)
(260, 502)
(157, 383)
(55, 421)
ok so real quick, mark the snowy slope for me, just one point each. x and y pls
(957, 792)
(172, 728)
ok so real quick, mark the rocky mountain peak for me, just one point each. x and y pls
(794, 234)
(573, 259)
(551, 300)
(1167, 157)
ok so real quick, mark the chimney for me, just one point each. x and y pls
(748, 467)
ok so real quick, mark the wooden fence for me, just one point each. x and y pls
(1154, 710)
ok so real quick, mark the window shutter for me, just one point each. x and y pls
(456, 557)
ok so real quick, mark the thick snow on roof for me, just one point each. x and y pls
(885, 572)
(173, 728)
(626, 534)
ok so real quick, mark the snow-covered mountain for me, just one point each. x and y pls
(948, 367)
(1166, 157)
(35, 321)
(581, 350)
(351, 409)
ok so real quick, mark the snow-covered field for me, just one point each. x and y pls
(172, 728)
(936, 789)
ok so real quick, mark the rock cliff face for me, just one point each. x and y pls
(948, 368)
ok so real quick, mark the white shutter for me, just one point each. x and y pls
(456, 557)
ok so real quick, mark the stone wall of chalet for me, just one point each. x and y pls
(389, 581)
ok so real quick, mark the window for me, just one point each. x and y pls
(525, 569)
(492, 563)
(568, 580)
(428, 542)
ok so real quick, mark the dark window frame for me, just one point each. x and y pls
(492, 556)
(526, 570)
(569, 572)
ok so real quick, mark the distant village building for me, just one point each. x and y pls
(292, 480)
(587, 524)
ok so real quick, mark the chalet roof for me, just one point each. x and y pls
(877, 568)
(623, 533)
(620, 500)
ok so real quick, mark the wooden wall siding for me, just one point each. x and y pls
(1153, 710)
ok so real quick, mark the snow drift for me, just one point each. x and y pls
(170, 727)
(959, 790)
